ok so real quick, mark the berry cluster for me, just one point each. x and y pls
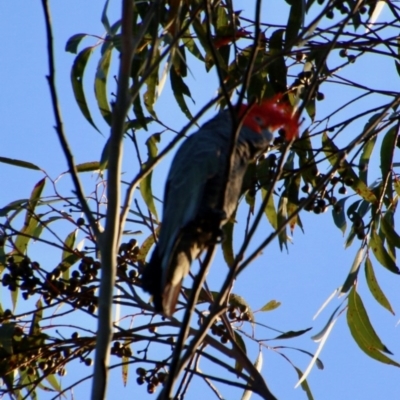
(153, 377)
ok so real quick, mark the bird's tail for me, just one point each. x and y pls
(152, 280)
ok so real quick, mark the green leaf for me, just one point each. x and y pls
(6, 337)
(73, 42)
(366, 155)
(201, 33)
(150, 96)
(387, 152)
(30, 223)
(69, 256)
(103, 164)
(269, 210)
(345, 170)
(192, 47)
(104, 18)
(352, 276)
(145, 183)
(88, 166)
(339, 215)
(271, 305)
(295, 22)
(258, 366)
(304, 384)
(240, 342)
(54, 382)
(282, 216)
(100, 85)
(374, 286)
(77, 71)
(137, 124)
(291, 334)
(277, 70)
(227, 243)
(179, 89)
(363, 332)
(381, 254)
(19, 163)
(17, 205)
(307, 164)
(138, 111)
(387, 228)
(2, 255)
(146, 246)
(34, 329)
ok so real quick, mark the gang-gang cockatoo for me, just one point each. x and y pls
(192, 218)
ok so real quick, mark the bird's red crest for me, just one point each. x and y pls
(274, 114)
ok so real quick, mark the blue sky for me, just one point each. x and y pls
(301, 279)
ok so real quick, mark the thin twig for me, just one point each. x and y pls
(59, 123)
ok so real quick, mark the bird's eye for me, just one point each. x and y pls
(258, 119)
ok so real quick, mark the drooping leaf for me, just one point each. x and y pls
(145, 183)
(2, 255)
(54, 382)
(30, 223)
(201, 33)
(387, 152)
(295, 22)
(374, 286)
(345, 170)
(150, 96)
(227, 243)
(69, 256)
(387, 227)
(146, 245)
(363, 332)
(381, 254)
(180, 89)
(37, 316)
(73, 42)
(315, 359)
(77, 71)
(304, 384)
(352, 276)
(339, 215)
(365, 157)
(240, 342)
(258, 366)
(269, 210)
(277, 70)
(138, 111)
(192, 47)
(19, 163)
(282, 216)
(7, 331)
(100, 85)
(307, 164)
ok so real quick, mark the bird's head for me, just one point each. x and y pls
(270, 115)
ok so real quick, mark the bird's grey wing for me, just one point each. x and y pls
(197, 161)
